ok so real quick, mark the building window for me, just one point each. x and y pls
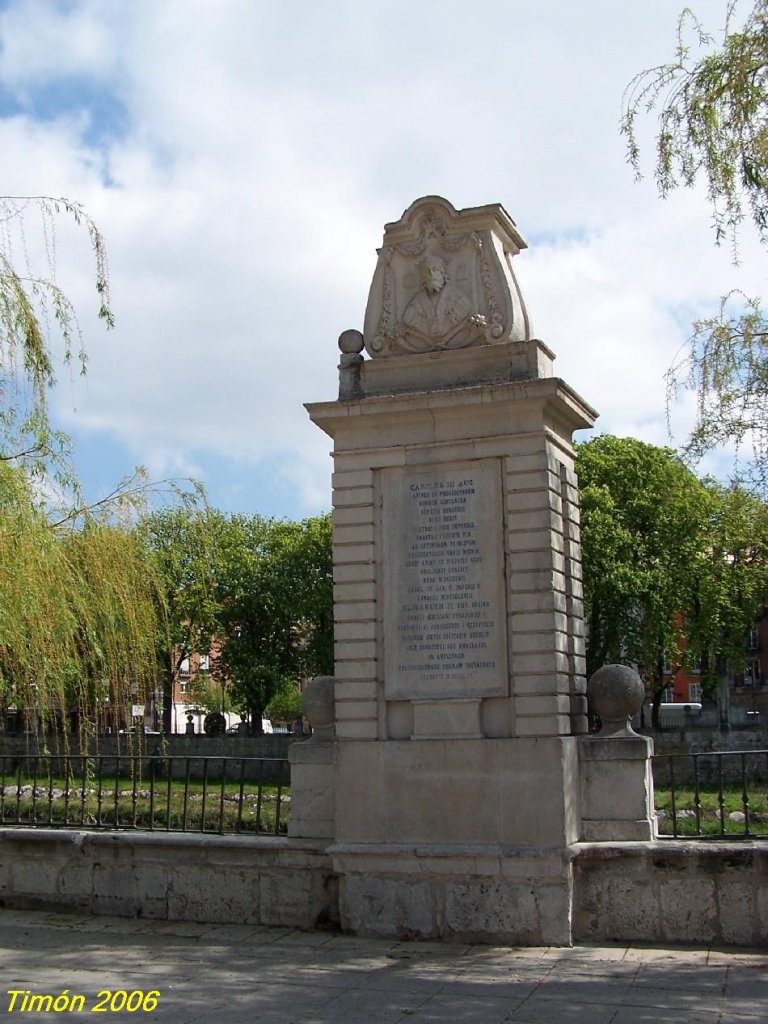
(753, 638)
(694, 693)
(752, 673)
(183, 684)
(184, 667)
(668, 695)
(205, 663)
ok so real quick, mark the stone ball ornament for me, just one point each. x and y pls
(351, 342)
(318, 703)
(615, 694)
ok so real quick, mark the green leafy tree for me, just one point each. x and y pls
(712, 105)
(285, 706)
(732, 586)
(675, 568)
(209, 693)
(276, 593)
(643, 525)
(182, 545)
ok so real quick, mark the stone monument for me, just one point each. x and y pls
(460, 694)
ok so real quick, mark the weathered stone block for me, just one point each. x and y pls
(198, 892)
(353, 478)
(353, 650)
(76, 879)
(355, 709)
(355, 690)
(762, 912)
(353, 534)
(376, 458)
(354, 730)
(555, 910)
(363, 591)
(444, 719)
(352, 515)
(355, 611)
(359, 670)
(130, 881)
(355, 630)
(313, 791)
(36, 875)
(476, 909)
(153, 909)
(353, 496)
(289, 899)
(400, 907)
(738, 913)
(353, 572)
(689, 910)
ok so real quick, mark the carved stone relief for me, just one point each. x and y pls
(444, 280)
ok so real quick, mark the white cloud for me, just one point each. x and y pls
(47, 41)
(262, 149)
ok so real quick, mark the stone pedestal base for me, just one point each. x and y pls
(468, 893)
(509, 793)
(616, 789)
(312, 790)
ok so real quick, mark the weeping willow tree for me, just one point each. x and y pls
(712, 105)
(78, 615)
(79, 609)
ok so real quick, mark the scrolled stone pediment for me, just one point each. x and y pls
(444, 280)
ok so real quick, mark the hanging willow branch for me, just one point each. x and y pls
(725, 363)
(80, 613)
(35, 312)
(712, 104)
(712, 119)
(81, 606)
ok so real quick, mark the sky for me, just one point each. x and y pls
(241, 158)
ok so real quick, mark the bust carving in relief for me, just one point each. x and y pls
(439, 309)
(444, 281)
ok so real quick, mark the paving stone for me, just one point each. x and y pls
(255, 975)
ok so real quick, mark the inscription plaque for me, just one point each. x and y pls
(445, 632)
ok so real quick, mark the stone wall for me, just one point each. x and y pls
(274, 748)
(672, 892)
(232, 879)
(664, 892)
(454, 893)
(272, 745)
(677, 746)
(694, 741)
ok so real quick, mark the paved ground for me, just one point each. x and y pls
(248, 975)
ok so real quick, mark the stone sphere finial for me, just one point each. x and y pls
(318, 703)
(615, 693)
(351, 342)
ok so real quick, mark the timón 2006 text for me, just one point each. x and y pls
(23, 1000)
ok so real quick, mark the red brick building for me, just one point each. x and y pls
(747, 688)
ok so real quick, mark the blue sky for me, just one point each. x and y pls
(241, 158)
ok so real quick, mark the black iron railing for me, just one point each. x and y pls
(223, 795)
(713, 795)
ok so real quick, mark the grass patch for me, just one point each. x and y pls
(714, 817)
(143, 803)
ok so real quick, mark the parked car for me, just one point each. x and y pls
(237, 730)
